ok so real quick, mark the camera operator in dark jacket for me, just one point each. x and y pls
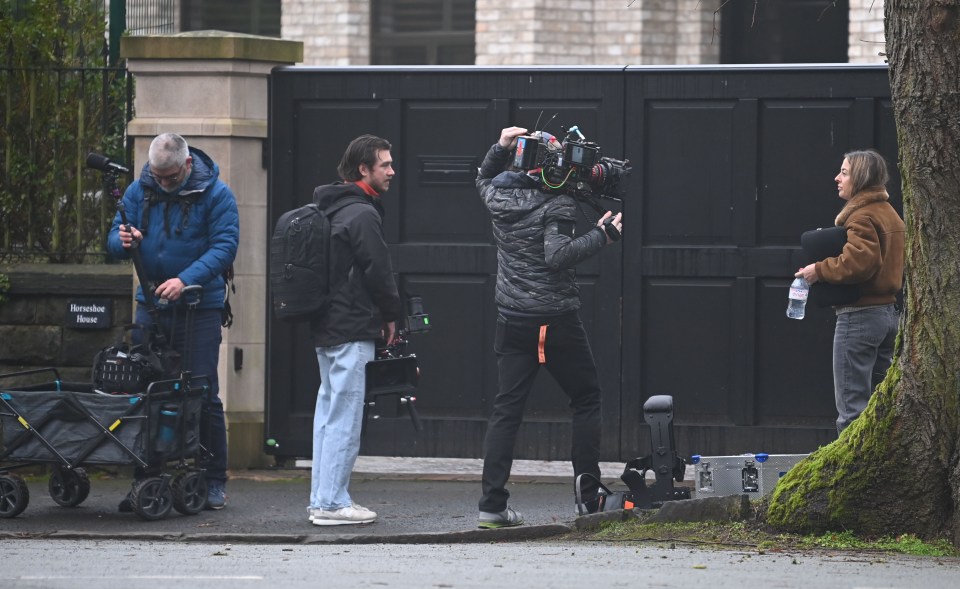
(538, 321)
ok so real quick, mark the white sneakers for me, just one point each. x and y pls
(355, 514)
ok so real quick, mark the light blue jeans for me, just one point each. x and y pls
(862, 351)
(337, 422)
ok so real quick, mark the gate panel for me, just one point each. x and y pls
(682, 173)
(735, 165)
(441, 122)
(731, 165)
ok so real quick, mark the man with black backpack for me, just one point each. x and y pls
(362, 306)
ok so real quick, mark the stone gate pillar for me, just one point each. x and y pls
(211, 88)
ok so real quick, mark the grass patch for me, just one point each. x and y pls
(905, 544)
(758, 536)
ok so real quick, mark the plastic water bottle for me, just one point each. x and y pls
(168, 426)
(799, 290)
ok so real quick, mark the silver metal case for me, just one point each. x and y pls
(748, 474)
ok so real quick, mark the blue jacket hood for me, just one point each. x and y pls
(204, 172)
(192, 235)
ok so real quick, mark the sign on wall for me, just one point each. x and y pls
(90, 313)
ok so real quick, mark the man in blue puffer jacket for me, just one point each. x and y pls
(184, 220)
(538, 323)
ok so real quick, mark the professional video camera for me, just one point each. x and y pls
(574, 166)
(393, 374)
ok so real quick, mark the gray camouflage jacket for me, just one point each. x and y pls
(536, 247)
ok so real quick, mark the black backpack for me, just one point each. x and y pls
(300, 262)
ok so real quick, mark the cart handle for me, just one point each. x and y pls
(55, 372)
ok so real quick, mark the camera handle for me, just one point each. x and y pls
(608, 227)
(611, 230)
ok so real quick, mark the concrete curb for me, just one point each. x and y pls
(727, 509)
(517, 534)
(718, 509)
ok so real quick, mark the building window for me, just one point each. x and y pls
(785, 31)
(422, 32)
(254, 17)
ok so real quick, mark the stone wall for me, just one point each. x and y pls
(32, 320)
(567, 32)
(333, 32)
(537, 32)
(599, 32)
(867, 40)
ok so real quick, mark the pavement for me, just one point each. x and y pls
(418, 500)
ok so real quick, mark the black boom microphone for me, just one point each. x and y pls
(104, 164)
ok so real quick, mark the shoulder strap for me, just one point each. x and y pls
(151, 197)
(343, 203)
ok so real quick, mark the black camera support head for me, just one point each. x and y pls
(105, 164)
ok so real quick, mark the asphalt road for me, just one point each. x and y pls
(66, 564)
(272, 507)
(426, 536)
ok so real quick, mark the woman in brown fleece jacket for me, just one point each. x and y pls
(873, 260)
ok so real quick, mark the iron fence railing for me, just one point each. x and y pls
(150, 17)
(52, 209)
(63, 94)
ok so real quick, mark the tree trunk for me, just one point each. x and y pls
(896, 469)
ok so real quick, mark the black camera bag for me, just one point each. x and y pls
(606, 499)
(128, 369)
(820, 244)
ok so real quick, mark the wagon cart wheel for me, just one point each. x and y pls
(69, 487)
(151, 499)
(190, 493)
(14, 495)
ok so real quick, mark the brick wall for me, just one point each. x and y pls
(333, 32)
(698, 32)
(562, 32)
(602, 32)
(867, 40)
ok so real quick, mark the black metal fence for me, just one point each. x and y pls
(150, 17)
(59, 100)
(53, 209)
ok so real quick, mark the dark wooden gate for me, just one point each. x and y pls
(730, 166)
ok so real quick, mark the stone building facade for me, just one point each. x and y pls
(866, 32)
(601, 32)
(561, 32)
(544, 32)
(333, 32)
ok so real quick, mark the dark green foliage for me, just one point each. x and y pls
(58, 102)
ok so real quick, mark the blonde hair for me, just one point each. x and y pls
(867, 169)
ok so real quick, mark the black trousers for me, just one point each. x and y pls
(522, 346)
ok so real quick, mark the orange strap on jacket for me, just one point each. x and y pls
(541, 353)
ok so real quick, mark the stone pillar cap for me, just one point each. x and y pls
(211, 45)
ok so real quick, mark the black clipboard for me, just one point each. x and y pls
(819, 244)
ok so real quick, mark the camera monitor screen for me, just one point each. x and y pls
(581, 155)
